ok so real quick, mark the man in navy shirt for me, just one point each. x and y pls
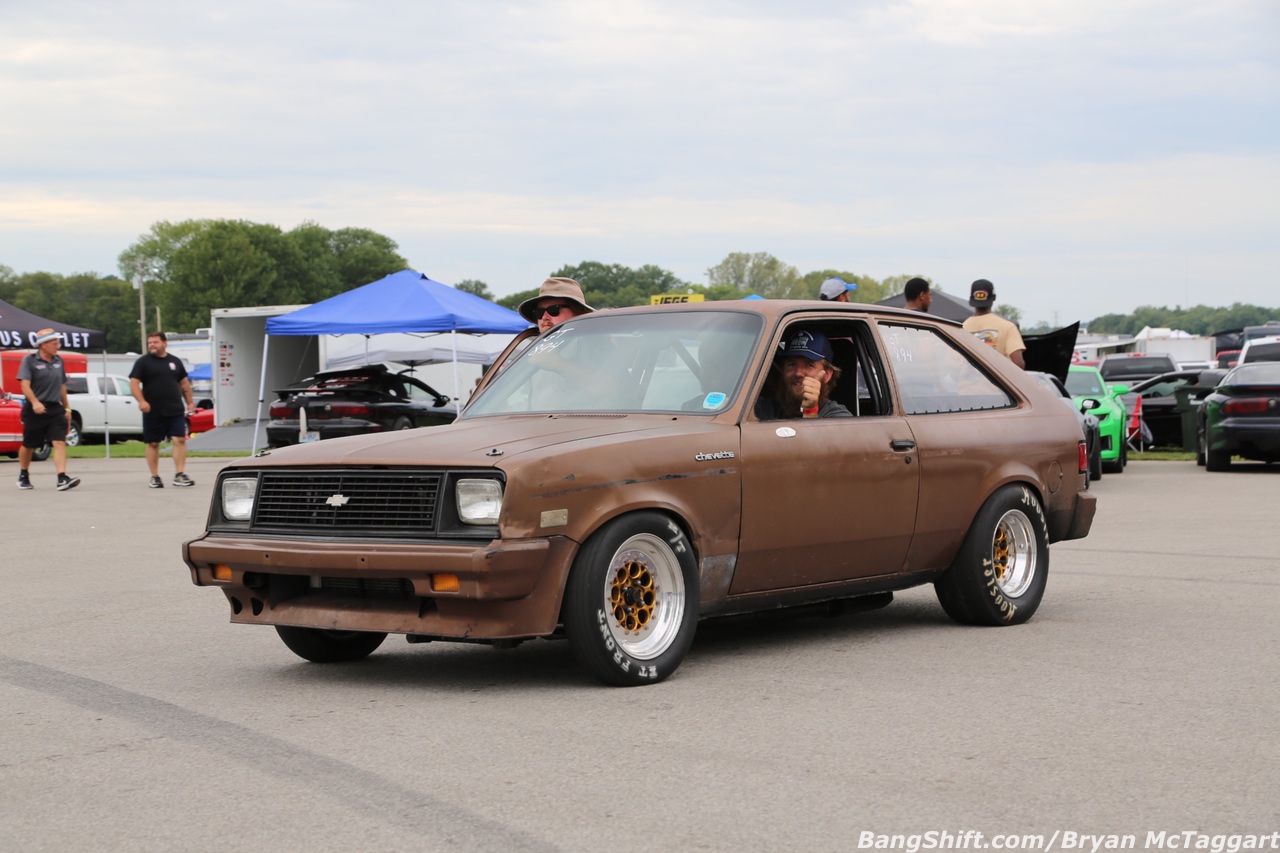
(160, 385)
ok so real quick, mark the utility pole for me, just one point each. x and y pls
(142, 311)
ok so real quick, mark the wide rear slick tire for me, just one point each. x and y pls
(1000, 573)
(320, 646)
(631, 602)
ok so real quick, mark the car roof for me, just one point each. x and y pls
(776, 308)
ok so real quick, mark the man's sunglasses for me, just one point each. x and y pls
(552, 310)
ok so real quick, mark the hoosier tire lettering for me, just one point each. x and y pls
(1000, 573)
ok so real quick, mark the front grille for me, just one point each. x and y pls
(384, 588)
(349, 502)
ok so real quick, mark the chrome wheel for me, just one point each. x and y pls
(1014, 553)
(644, 596)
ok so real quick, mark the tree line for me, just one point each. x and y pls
(1198, 320)
(191, 267)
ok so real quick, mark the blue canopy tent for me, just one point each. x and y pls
(201, 373)
(406, 301)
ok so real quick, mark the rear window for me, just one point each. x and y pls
(1136, 366)
(77, 385)
(1261, 373)
(1262, 352)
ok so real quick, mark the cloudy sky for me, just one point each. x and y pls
(1087, 156)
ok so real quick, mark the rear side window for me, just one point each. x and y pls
(934, 376)
(77, 385)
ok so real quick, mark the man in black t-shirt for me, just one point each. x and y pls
(160, 385)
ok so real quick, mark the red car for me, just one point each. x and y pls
(11, 429)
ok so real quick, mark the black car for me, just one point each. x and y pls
(1088, 423)
(355, 401)
(1160, 409)
(1241, 417)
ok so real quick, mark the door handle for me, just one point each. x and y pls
(902, 444)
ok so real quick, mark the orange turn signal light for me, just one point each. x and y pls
(221, 572)
(444, 583)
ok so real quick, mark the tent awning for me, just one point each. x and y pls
(18, 331)
(405, 301)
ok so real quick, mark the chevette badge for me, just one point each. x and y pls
(337, 500)
(710, 457)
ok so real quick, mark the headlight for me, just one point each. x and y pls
(479, 501)
(237, 497)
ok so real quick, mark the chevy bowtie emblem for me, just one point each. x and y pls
(337, 500)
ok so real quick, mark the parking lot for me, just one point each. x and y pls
(1142, 697)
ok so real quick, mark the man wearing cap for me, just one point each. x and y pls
(835, 290)
(46, 411)
(992, 329)
(807, 379)
(918, 295)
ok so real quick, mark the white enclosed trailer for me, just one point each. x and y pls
(239, 335)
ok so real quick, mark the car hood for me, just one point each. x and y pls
(472, 443)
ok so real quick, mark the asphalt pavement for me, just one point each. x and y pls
(1142, 697)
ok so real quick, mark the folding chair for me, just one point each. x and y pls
(1136, 432)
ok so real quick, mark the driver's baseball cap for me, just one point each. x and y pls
(811, 345)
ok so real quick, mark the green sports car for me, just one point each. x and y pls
(1086, 384)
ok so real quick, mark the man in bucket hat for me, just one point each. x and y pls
(807, 377)
(992, 329)
(46, 411)
(558, 300)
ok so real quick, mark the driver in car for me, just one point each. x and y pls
(806, 379)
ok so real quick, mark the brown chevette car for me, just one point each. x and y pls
(610, 483)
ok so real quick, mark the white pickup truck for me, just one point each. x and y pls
(99, 401)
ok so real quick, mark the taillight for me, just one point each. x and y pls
(1246, 406)
(1082, 452)
(348, 410)
(280, 410)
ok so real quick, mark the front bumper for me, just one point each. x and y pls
(506, 589)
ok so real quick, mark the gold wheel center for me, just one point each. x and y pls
(1001, 552)
(633, 596)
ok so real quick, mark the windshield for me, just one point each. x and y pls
(1085, 383)
(660, 361)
